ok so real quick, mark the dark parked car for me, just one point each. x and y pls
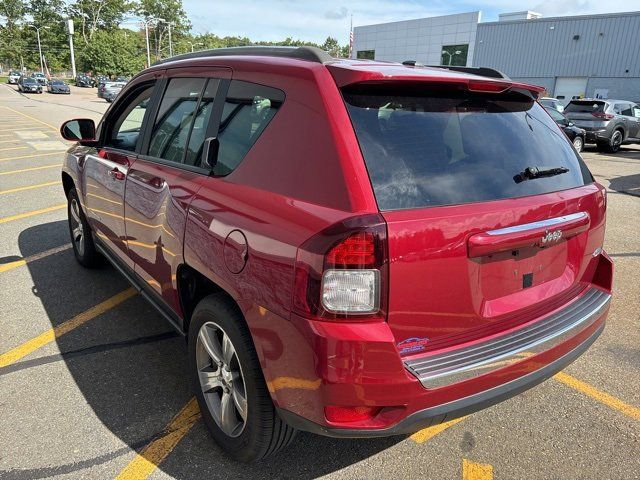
(29, 85)
(608, 123)
(573, 133)
(58, 86)
(348, 250)
(84, 81)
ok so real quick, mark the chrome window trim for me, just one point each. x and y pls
(551, 222)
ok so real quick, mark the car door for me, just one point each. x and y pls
(163, 182)
(632, 115)
(105, 168)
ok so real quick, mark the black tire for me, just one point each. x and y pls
(83, 248)
(613, 144)
(263, 433)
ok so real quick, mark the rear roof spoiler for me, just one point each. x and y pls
(481, 71)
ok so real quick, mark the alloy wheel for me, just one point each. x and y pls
(616, 140)
(221, 379)
(77, 230)
(578, 143)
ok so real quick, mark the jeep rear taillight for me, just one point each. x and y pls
(342, 272)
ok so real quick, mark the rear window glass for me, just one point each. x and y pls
(425, 149)
(585, 107)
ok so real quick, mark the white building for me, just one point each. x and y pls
(449, 39)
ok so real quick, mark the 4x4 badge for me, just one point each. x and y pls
(411, 345)
(551, 236)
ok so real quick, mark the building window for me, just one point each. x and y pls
(366, 54)
(454, 55)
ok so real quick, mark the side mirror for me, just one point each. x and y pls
(210, 152)
(81, 130)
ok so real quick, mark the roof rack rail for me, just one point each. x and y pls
(482, 71)
(312, 54)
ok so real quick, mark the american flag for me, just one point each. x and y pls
(351, 38)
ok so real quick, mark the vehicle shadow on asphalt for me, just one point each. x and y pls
(629, 184)
(130, 366)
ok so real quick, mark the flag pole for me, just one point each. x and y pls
(351, 38)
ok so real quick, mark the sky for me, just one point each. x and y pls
(314, 20)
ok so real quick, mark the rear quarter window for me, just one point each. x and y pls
(442, 147)
(248, 110)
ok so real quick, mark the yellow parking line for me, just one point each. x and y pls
(13, 148)
(19, 128)
(476, 471)
(428, 433)
(602, 397)
(32, 258)
(6, 159)
(33, 118)
(155, 452)
(50, 335)
(32, 213)
(30, 187)
(23, 170)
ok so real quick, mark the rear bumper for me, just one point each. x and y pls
(483, 357)
(442, 413)
(596, 135)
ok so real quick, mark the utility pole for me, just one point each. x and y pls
(146, 35)
(73, 58)
(39, 45)
(169, 30)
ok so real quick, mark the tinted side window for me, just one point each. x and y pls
(200, 124)
(626, 110)
(247, 111)
(175, 116)
(124, 132)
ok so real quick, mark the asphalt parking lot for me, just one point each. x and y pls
(93, 381)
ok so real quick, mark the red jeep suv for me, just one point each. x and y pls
(352, 248)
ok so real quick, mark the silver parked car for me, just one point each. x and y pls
(13, 77)
(552, 103)
(110, 90)
(608, 123)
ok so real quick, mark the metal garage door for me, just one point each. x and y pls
(569, 87)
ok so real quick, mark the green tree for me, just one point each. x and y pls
(12, 42)
(92, 15)
(99, 56)
(47, 15)
(173, 16)
(332, 46)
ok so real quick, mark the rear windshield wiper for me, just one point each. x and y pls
(530, 173)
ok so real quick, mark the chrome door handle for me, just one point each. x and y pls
(117, 174)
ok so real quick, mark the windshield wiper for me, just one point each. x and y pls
(530, 173)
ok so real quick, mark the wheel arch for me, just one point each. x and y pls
(192, 287)
(67, 183)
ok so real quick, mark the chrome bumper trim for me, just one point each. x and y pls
(441, 369)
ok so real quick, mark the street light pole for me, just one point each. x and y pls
(146, 35)
(73, 58)
(39, 46)
(170, 44)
